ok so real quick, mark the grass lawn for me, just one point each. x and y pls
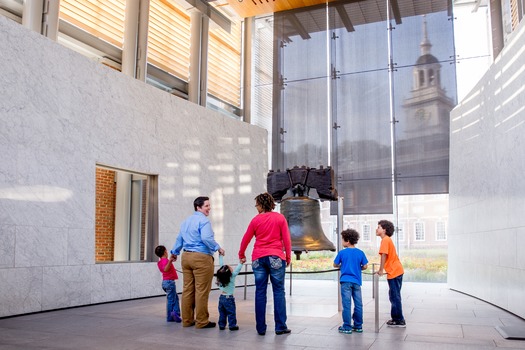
(421, 265)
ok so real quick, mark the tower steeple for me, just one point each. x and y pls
(425, 43)
(427, 69)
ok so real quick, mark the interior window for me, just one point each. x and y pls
(125, 215)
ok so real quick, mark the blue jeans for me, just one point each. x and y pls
(394, 294)
(351, 291)
(273, 267)
(172, 304)
(227, 310)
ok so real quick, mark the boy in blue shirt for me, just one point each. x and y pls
(226, 282)
(351, 261)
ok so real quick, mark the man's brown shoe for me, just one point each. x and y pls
(209, 325)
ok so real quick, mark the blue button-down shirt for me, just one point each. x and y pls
(196, 235)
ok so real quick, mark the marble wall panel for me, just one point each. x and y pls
(487, 191)
(63, 114)
(110, 282)
(7, 246)
(146, 278)
(20, 290)
(515, 293)
(80, 246)
(40, 246)
(505, 244)
(66, 286)
(520, 242)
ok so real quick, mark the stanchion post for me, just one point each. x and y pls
(245, 280)
(376, 293)
(340, 222)
(373, 280)
(291, 277)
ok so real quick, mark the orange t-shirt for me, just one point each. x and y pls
(392, 266)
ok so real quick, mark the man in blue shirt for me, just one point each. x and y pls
(197, 242)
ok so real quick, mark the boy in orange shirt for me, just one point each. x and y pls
(391, 265)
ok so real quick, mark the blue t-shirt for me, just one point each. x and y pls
(351, 260)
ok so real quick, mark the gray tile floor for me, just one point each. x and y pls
(437, 318)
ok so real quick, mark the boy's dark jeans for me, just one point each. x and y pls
(394, 294)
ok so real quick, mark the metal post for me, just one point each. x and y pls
(291, 277)
(195, 56)
(249, 28)
(142, 41)
(245, 280)
(32, 15)
(131, 25)
(340, 215)
(203, 75)
(50, 17)
(375, 278)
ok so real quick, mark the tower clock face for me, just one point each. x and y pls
(422, 114)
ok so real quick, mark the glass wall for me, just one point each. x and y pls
(367, 88)
(366, 91)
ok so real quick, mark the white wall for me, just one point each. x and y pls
(487, 184)
(61, 114)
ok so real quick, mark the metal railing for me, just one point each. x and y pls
(375, 286)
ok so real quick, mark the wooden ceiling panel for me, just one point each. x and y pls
(250, 8)
(360, 11)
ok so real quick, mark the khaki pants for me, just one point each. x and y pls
(197, 270)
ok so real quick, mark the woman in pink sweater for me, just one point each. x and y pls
(270, 257)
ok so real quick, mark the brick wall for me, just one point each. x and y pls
(106, 191)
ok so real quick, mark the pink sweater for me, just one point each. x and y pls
(272, 237)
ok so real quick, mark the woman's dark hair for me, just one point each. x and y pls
(387, 226)
(223, 276)
(159, 251)
(350, 235)
(266, 201)
(199, 202)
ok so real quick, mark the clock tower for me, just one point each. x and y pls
(427, 110)
(422, 149)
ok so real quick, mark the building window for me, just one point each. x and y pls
(401, 232)
(419, 229)
(224, 61)
(103, 19)
(125, 215)
(441, 233)
(169, 38)
(366, 232)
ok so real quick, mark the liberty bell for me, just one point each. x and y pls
(299, 190)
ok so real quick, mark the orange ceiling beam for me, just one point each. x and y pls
(250, 8)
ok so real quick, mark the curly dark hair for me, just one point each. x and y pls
(388, 226)
(266, 201)
(159, 251)
(223, 276)
(350, 235)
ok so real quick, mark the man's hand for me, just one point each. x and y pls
(173, 257)
(222, 251)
